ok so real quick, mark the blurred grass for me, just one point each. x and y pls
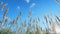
(31, 27)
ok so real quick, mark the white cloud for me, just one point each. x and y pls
(18, 7)
(32, 5)
(27, 1)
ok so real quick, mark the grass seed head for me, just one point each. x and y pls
(57, 18)
(30, 14)
(4, 5)
(20, 16)
(5, 13)
(6, 20)
(45, 19)
(24, 23)
(32, 20)
(17, 18)
(12, 22)
(36, 21)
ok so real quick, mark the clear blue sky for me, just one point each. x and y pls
(38, 8)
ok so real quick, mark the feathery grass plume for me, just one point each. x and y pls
(30, 14)
(4, 5)
(50, 19)
(5, 13)
(56, 21)
(17, 19)
(44, 24)
(33, 20)
(24, 23)
(37, 26)
(6, 20)
(45, 19)
(53, 27)
(58, 1)
(48, 16)
(16, 23)
(20, 16)
(29, 24)
(38, 30)
(57, 18)
(50, 22)
(19, 29)
(12, 23)
(38, 19)
(30, 19)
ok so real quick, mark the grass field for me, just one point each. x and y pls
(30, 25)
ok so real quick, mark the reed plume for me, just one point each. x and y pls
(5, 13)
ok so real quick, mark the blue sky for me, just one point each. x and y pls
(37, 7)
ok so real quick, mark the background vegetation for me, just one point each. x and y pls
(29, 26)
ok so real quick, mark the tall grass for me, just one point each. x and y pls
(31, 27)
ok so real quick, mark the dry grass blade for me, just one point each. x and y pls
(50, 22)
